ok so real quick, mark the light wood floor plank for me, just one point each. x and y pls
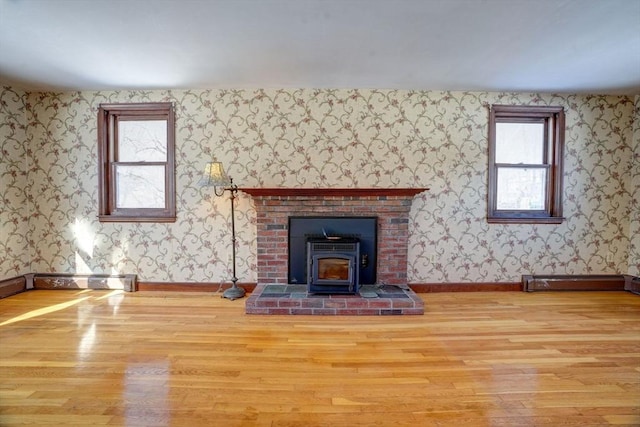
(168, 359)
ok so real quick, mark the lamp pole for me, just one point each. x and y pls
(234, 292)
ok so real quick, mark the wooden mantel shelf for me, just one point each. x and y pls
(332, 192)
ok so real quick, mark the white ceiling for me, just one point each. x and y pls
(577, 46)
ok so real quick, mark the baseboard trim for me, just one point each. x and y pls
(129, 283)
(593, 282)
(125, 282)
(249, 287)
(191, 286)
(466, 287)
(12, 286)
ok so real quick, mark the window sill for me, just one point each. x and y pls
(112, 218)
(524, 220)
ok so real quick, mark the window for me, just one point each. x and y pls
(136, 151)
(525, 164)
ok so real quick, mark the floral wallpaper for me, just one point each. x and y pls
(316, 138)
(634, 233)
(14, 209)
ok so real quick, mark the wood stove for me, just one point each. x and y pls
(333, 265)
(332, 254)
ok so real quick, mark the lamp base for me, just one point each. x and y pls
(233, 293)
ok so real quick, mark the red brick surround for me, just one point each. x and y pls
(275, 206)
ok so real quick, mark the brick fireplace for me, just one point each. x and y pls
(274, 207)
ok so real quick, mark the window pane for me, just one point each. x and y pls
(142, 141)
(520, 143)
(140, 187)
(521, 189)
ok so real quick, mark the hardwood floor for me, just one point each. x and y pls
(168, 359)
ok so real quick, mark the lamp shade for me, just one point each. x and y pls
(214, 175)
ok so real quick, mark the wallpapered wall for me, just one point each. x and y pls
(316, 138)
(14, 209)
(634, 247)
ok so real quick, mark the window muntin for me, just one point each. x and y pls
(136, 155)
(525, 164)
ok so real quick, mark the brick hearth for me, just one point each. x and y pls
(371, 301)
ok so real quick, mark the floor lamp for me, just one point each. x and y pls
(215, 176)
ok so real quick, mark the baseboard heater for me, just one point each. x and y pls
(632, 284)
(594, 282)
(16, 285)
(125, 282)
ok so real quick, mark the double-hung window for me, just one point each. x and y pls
(525, 164)
(136, 154)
